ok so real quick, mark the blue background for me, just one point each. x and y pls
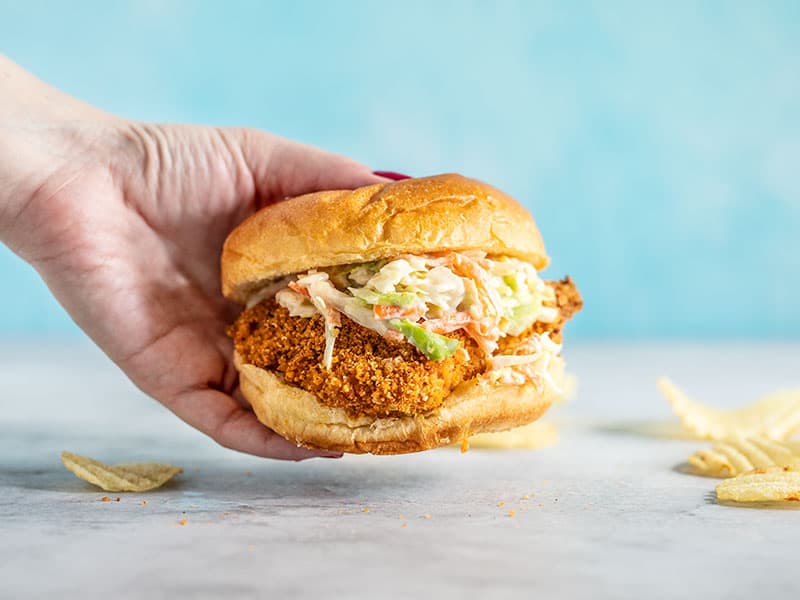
(657, 145)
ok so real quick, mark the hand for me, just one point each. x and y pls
(126, 223)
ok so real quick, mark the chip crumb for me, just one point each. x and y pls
(183, 521)
(251, 547)
(540, 504)
(143, 503)
(248, 473)
(464, 445)
(404, 524)
(105, 499)
(525, 497)
(501, 504)
(511, 513)
(365, 509)
(402, 517)
(427, 515)
(117, 499)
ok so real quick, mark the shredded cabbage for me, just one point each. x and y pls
(421, 298)
(297, 304)
(531, 363)
(401, 299)
(331, 329)
(432, 345)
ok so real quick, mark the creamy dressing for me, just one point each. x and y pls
(422, 298)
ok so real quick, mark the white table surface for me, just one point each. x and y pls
(609, 514)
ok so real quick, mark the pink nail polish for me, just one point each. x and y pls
(391, 175)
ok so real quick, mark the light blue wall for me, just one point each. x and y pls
(658, 144)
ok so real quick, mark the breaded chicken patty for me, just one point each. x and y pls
(369, 375)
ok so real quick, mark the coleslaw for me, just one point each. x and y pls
(423, 298)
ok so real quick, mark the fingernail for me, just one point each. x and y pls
(391, 175)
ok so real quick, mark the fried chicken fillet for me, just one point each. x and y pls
(370, 375)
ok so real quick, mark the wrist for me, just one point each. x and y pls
(46, 137)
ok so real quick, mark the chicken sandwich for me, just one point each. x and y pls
(396, 317)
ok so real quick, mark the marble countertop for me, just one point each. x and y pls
(608, 514)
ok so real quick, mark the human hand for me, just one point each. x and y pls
(126, 221)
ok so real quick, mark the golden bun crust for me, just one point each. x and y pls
(430, 214)
(473, 407)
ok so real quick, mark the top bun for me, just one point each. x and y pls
(324, 229)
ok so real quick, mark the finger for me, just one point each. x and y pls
(282, 168)
(220, 417)
(238, 396)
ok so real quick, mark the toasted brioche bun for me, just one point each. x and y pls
(473, 407)
(430, 214)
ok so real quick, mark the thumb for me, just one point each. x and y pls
(282, 168)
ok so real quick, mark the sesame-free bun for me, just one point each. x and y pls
(475, 406)
(430, 214)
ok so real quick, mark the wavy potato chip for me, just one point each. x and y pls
(569, 389)
(539, 434)
(776, 416)
(736, 455)
(762, 485)
(126, 477)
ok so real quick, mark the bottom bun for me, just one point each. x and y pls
(473, 407)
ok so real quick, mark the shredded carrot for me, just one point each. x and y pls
(387, 311)
(296, 287)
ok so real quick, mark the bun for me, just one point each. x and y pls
(431, 214)
(473, 407)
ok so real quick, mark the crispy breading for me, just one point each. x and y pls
(369, 375)
(568, 300)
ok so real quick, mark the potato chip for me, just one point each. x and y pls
(127, 477)
(736, 455)
(762, 485)
(776, 416)
(538, 434)
(568, 389)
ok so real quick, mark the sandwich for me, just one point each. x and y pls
(396, 317)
